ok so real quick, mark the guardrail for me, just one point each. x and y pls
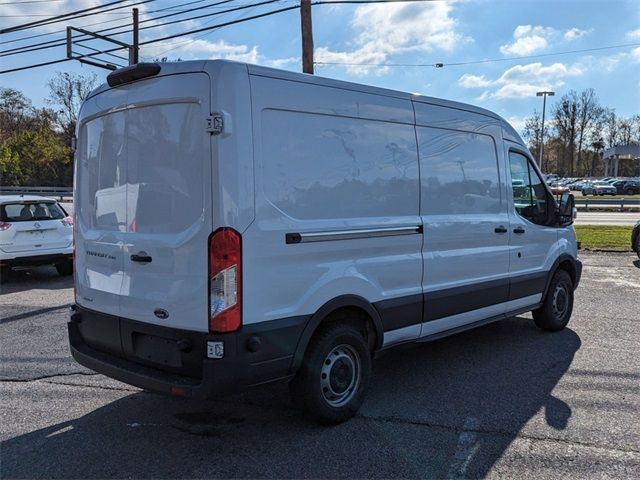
(60, 192)
(604, 202)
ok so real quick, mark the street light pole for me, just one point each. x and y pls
(544, 106)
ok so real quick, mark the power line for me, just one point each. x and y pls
(62, 31)
(233, 22)
(62, 41)
(473, 62)
(148, 42)
(186, 42)
(72, 15)
(30, 1)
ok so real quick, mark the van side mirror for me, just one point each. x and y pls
(566, 212)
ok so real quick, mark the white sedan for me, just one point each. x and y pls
(34, 231)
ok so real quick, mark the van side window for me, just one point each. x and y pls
(529, 192)
(459, 172)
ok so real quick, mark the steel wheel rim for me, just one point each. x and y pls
(340, 375)
(560, 300)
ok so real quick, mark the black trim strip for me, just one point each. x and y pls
(400, 312)
(406, 311)
(456, 300)
(526, 285)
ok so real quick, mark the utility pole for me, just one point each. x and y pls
(135, 48)
(307, 36)
(544, 105)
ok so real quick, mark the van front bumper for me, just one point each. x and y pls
(174, 362)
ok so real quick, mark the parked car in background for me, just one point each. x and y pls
(558, 188)
(627, 187)
(635, 238)
(598, 188)
(576, 186)
(34, 231)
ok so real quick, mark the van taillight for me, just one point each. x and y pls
(5, 226)
(225, 281)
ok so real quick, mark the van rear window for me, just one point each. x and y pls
(143, 169)
(30, 211)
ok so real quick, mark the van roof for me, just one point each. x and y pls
(172, 68)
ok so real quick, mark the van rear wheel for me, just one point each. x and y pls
(558, 304)
(331, 383)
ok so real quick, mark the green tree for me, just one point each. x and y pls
(36, 157)
(10, 171)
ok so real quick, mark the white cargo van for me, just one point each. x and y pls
(238, 225)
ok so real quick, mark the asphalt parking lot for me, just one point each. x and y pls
(502, 401)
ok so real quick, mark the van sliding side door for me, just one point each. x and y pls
(466, 241)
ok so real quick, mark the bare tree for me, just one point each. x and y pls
(588, 112)
(68, 91)
(565, 120)
(625, 129)
(635, 129)
(610, 128)
(533, 133)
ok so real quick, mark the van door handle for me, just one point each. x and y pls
(500, 229)
(141, 257)
(518, 230)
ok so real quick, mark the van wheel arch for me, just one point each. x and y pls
(563, 262)
(350, 308)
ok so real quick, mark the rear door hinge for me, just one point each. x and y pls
(215, 124)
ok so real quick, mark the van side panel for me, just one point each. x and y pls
(339, 170)
(463, 202)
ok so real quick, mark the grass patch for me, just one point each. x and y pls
(596, 237)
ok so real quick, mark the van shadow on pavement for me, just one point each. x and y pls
(444, 409)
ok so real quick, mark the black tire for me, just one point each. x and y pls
(636, 245)
(337, 360)
(558, 304)
(65, 268)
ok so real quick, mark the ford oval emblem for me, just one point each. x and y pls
(161, 313)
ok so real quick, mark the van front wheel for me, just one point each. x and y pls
(331, 383)
(558, 304)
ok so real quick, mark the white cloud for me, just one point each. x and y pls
(204, 49)
(635, 54)
(473, 81)
(284, 62)
(528, 39)
(633, 34)
(522, 80)
(383, 30)
(517, 122)
(575, 34)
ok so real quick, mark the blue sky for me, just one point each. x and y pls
(393, 33)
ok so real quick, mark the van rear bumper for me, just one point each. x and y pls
(188, 373)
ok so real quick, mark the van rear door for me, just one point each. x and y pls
(156, 202)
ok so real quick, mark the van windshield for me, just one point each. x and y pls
(141, 169)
